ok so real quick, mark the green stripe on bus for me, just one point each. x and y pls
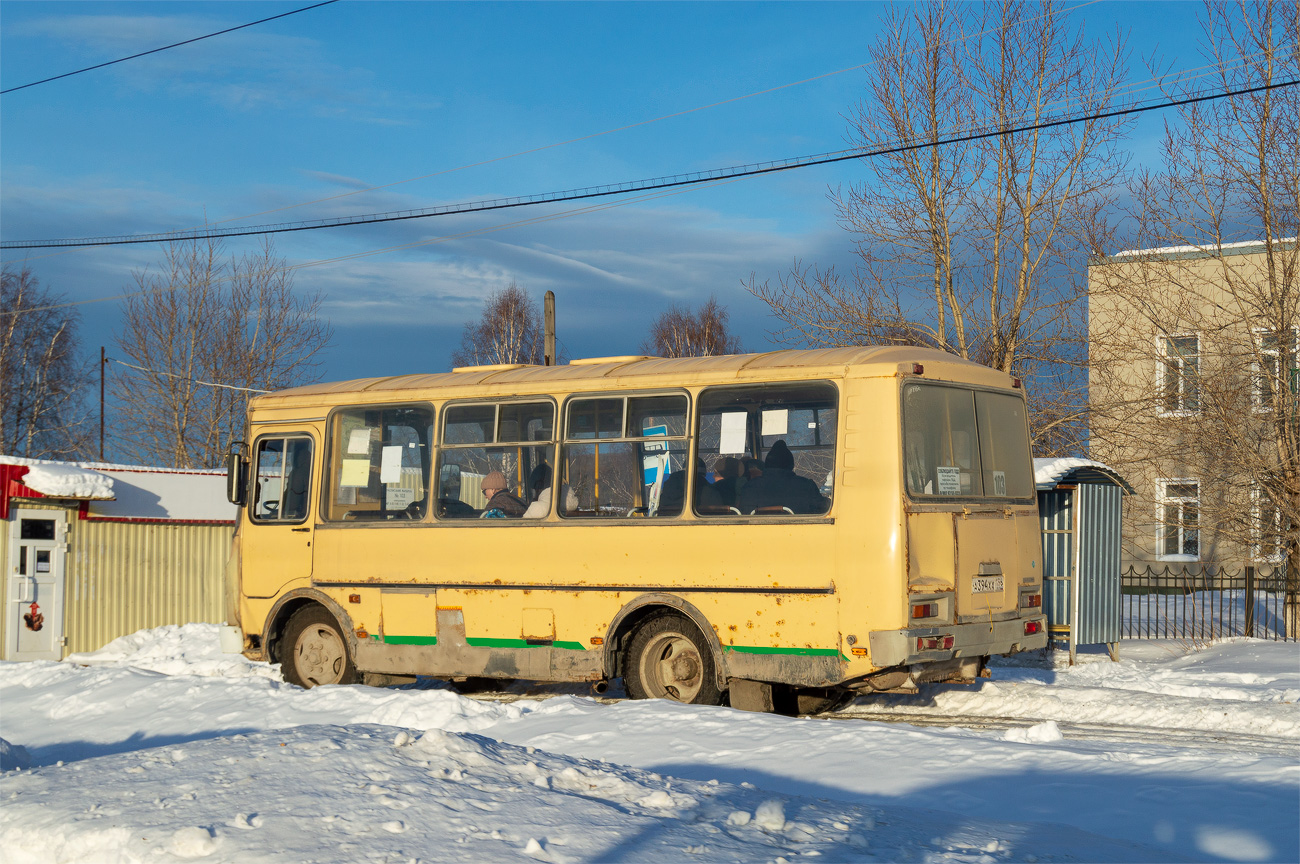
(805, 652)
(411, 640)
(484, 642)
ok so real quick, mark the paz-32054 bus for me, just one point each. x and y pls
(779, 530)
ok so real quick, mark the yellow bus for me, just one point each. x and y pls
(777, 530)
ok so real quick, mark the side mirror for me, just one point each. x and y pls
(237, 474)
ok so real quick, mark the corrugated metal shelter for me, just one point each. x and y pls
(95, 551)
(1079, 504)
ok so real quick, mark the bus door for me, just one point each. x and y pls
(280, 535)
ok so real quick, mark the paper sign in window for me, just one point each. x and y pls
(399, 498)
(733, 434)
(1000, 483)
(776, 421)
(356, 472)
(949, 479)
(390, 464)
(359, 442)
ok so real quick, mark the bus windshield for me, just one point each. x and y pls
(961, 443)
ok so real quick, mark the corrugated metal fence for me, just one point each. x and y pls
(125, 576)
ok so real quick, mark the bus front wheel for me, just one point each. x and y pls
(669, 659)
(315, 651)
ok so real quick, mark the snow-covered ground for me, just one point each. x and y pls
(159, 748)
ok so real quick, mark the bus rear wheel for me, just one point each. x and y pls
(315, 651)
(669, 659)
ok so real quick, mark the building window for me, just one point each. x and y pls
(1270, 371)
(1180, 391)
(1179, 516)
(1268, 529)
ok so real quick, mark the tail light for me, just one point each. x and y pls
(1031, 601)
(925, 610)
(933, 643)
(1032, 627)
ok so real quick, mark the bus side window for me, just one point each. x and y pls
(379, 463)
(282, 486)
(626, 456)
(786, 430)
(510, 438)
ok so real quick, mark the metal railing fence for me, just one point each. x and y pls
(1209, 602)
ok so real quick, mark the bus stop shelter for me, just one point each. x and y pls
(1079, 506)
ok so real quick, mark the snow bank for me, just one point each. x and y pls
(375, 793)
(189, 649)
(155, 751)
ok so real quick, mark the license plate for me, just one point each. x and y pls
(986, 584)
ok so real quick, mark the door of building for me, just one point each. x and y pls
(34, 585)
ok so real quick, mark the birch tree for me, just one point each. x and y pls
(205, 332)
(975, 247)
(508, 331)
(42, 376)
(681, 332)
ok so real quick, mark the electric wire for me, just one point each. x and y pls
(167, 47)
(624, 127)
(663, 182)
(184, 377)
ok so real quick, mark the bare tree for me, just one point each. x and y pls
(1196, 333)
(206, 333)
(978, 248)
(42, 378)
(679, 332)
(508, 331)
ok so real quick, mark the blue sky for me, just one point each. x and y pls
(356, 95)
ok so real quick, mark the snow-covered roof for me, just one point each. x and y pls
(62, 479)
(132, 491)
(1243, 248)
(1050, 472)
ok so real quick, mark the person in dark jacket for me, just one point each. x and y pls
(780, 486)
(673, 494)
(494, 489)
(728, 470)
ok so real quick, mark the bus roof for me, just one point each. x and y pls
(603, 371)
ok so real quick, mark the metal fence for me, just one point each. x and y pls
(1209, 602)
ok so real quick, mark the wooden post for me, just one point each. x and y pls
(103, 361)
(549, 349)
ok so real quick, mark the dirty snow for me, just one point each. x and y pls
(159, 748)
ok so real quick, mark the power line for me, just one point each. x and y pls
(628, 126)
(166, 47)
(185, 377)
(664, 182)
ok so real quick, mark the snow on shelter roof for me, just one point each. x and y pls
(132, 491)
(1048, 473)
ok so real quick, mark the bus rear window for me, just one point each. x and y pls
(965, 444)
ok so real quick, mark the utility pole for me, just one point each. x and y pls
(103, 362)
(549, 350)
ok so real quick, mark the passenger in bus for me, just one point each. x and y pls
(540, 483)
(498, 499)
(728, 471)
(780, 486)
(673, 494)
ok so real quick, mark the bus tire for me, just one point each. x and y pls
(315, 651)
(669, 659)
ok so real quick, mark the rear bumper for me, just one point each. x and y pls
(898, 647)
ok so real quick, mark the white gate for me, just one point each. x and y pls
(38, 547)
